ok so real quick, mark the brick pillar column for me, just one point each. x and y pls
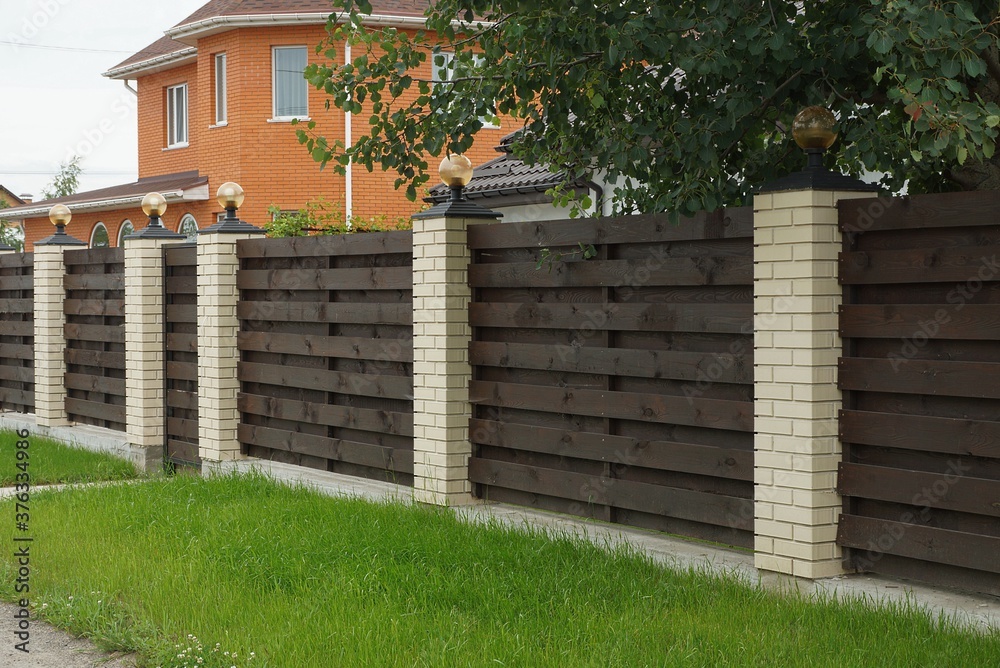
(50, 321)
(796, 298)
(441, 336)
(144, 337)
(218, 324)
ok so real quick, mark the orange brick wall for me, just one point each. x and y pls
(82, 225)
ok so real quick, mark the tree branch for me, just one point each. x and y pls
(992, 63)
(761, 111)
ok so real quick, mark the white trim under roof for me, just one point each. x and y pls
(196, 194)
(155, 64)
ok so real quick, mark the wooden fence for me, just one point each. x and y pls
(95, 337)
(326, 347)
(921, 375)
(618, 387)
(180, 287)
(17, 365)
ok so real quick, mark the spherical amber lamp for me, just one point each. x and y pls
(813, 128)
(154, 205)
(456, 172)
(230, 196)
(60, 215)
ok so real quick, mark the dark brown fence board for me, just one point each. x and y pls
(956, 548)
(180, 281)
(920, 429)
(95, 336)
(16, 306)
(618, 387)
(14, 397)
(17, 374)
(17, 350)
(326, 349)
(721, 318)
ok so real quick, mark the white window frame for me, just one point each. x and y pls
(93, 233)
(274, 84)
(121, 232)
(178, 127)
(221, 90)
(442, 74)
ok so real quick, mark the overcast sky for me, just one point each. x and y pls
(54, 101)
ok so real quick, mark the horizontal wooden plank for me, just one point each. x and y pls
(182, 313)
(17, 374)
(369, 243)
(920, 432)
(16, 327)
(958, 209)
(339, 312)
(181, 429)
(920, 265)
(723, 270)
(14, 397)
(978, 322)
(336, 449)
(94, 281)
(182, 453)
(89, 383)
(13, 351)
(916, 376)
(620, 450)
(182, 399)
(388, 387)
(94, 256)
(389, 350)
(721, 318)
(181, 285)
(364, 419)
(945, 490)
(17, 260)
(956, 548)
(16, 306)
(697, 367)
(105, 307)
(93, 409)
(722, 224)
(97, 358)
(686, 504)
(106, 333)
(12, 283)
(181, 255)
(182, 370)
(365, 278)
(698, 412)
(182, 343)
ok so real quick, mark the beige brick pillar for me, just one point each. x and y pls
(796, 449)
(441, 336)
(218, 324)
(144, 340)
(50, 320)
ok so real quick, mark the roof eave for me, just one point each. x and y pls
(190, 33)
(198, 193)
(153, 65)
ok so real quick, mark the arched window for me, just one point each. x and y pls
(188, 226)
(99, 237)
(126, 229)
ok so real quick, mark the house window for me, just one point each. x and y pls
(445, 71)
(99, 237)
(177, 116)
(221, 90)
(126, 229)
(290, 91)
(189, 227)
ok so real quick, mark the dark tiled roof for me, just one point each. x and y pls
(160, 47)
(163, 183)
(505, 175)
(219, 8)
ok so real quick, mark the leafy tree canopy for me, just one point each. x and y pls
(689, 104)
(67, 181)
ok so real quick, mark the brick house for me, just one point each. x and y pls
(9, 199)
(216, 96)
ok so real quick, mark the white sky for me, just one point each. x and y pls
(54, 101)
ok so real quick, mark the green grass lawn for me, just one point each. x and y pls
(303, 580)
(51, 462)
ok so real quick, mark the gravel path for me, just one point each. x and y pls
(50, 648)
